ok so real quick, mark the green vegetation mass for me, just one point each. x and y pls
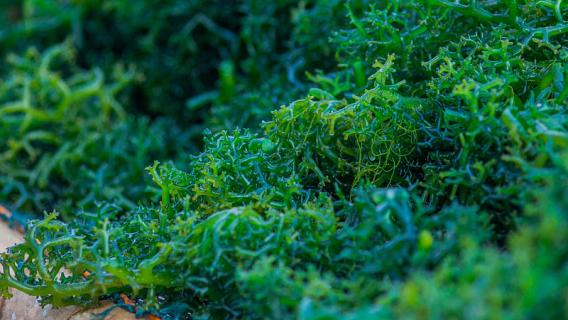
(314, 159)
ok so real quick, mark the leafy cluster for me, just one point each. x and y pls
(423, 176)
(67, 142)
(219, 65)
(185, 55)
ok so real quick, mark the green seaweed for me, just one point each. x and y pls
(398, 159)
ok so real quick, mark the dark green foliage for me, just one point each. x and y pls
(424, 176)
(527, 282)
(182, 58)
(59, 124)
